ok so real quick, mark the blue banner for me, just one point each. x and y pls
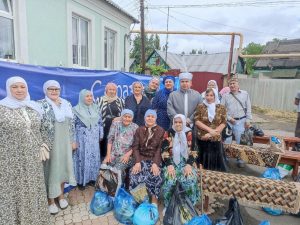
(71, 80)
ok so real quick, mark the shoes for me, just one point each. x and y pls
(53, 209)
(63, 204)
(240, 163)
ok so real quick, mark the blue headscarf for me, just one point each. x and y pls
(165, 90)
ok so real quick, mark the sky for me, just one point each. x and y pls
(258, 23)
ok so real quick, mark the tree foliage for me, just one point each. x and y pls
(252, 49)
(154, 70)
(151, 42)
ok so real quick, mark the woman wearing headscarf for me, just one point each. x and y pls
(138, 103)
(110, 106)
(212, 84)
(88, 132)
(210, 119)
(159, 102)
(120, 139)
(23, 194)
(58, 133)
(147, 155)
(179, 161)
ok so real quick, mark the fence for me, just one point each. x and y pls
(278, 94)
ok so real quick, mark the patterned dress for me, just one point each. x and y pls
(58, 136)
(121, 139)
(159, 103)
(86, 157)
(211, 154)
(23, 195)
(108, 112)
(190, 183)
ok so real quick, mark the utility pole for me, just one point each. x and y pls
(143, 64)
(167, 39)
(230, 57)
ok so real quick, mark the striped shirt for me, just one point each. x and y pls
(234, 108)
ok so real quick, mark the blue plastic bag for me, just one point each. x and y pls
(200, 220)
(124, 207)
(273, 174)
(101, 203)
(265, 222)
(146, 214)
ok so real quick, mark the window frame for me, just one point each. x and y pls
(106, 54)
(11, 16)
(79, 18)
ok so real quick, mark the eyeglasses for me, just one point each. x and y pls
(53, 89)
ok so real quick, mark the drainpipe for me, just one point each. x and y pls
(125, 38)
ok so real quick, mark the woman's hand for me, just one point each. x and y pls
(155, 169)
(74, 146)
(206, 137)
(213, 132)
(171, 171)
(107, 159)
(137, 168)
(188, 170)
(126, 158)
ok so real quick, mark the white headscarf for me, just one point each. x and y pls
(64, 110)
(180, 145)
(13, 103)
(216, 84)
(211, 107)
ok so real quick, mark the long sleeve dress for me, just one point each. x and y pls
(190, 183)
(86, 157)
(159, 103)
(58, 136)
(22, 188)
(108, 110)
(211, 154)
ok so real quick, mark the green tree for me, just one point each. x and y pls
(151, 42)
(154, 70)
(193, 52)
(252, 49)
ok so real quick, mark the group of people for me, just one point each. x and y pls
(152, 133)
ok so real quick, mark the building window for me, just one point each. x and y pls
(109, 48)
(7, 42)
(80, 41)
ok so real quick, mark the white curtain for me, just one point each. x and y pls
(7, 48)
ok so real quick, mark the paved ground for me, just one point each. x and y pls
(78, 211)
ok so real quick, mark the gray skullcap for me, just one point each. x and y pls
(185, 75)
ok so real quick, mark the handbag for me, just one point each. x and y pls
(227, 131)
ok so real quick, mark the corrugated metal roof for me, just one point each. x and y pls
(116, 6)
(215, 63)
(280, 47)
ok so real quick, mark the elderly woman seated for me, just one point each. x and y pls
(147, 154)
(179, 161)
(120, 139)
